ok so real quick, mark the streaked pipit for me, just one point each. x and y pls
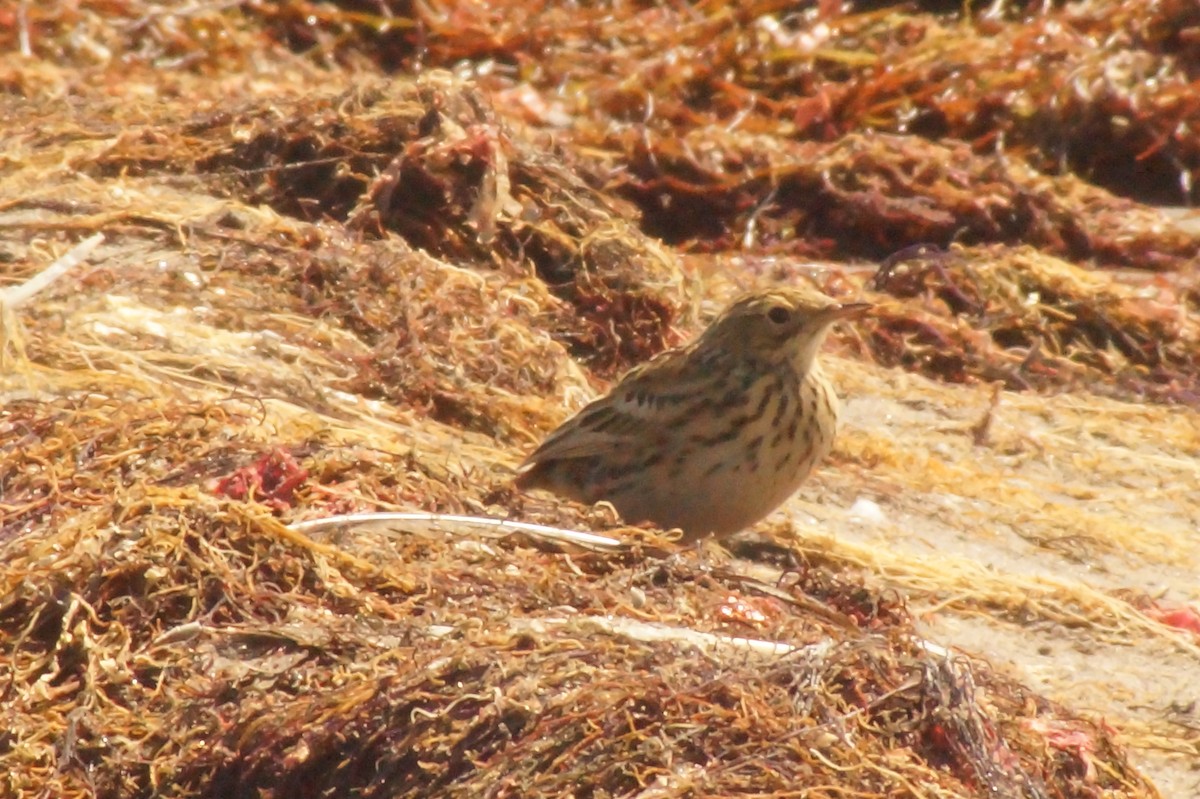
(712, 436)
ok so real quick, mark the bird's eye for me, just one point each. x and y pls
(779, 315)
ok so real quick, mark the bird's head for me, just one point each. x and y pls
(779, 324)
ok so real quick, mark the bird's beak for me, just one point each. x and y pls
(848, 310)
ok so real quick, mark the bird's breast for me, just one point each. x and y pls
(736, 458)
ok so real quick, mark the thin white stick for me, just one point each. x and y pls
(438, 521)
(16, 296)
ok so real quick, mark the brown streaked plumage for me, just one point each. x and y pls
(712, 436)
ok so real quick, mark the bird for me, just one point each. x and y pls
(710, 437)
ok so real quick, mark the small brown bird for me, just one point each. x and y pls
(712, 436)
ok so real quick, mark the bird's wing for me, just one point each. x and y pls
(632, 413)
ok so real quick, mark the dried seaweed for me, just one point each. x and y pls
(1032, 321)
(255, 663)
(329, 289)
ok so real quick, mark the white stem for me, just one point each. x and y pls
(16, 296)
